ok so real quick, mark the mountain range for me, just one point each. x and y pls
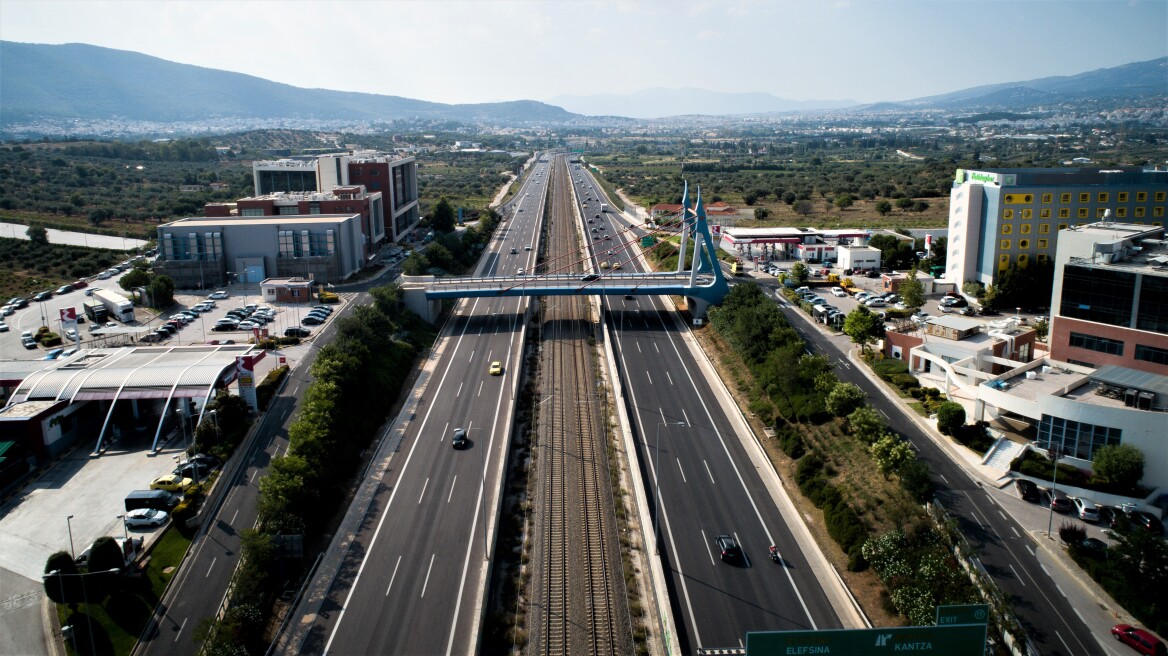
(76, 80)
(84, 82)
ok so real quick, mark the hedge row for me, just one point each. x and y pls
(843, 524)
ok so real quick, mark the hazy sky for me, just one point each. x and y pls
(479, 51)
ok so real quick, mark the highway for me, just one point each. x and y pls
(412, 579)
(708, 484)
(1052, 624)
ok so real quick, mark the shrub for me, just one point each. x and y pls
(791, 443)
(1072, 533)
(950, 417)
(267, 386)
(1122, 465)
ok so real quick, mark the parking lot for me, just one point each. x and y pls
(147, 321)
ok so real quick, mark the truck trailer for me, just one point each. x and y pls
(95, 311)
(119, 307)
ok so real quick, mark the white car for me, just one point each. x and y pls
(7, 310)
(3, 327)
(71, 334)
(875, 303)
(145, 517)
(838, 291)
(219, 295)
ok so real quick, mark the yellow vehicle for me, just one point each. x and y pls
(616, 265)
(171, 483)
(737, 268)
(496, 368)
(604, 264)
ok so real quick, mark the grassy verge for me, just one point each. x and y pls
(111, 627)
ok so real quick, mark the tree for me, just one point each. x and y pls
(799, 273)
(803, 207)
(133, 279)
(883, 208)
(950, 417)
(37, 235)
(890, 453)
(105, 554)
(442, 219)
(64, 588)
(843, 201)
(844, 399)
(866, 424)
(416, 264)
(161, 291)
(862, 326)
(1121, 464)
(904, 203)
(912, 291)
(761, 213)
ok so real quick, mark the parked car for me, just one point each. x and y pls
(838, 291)
(297, 331)
(145, 517)
(192, 470)
(458, 439)
(224, 327)
(728, 548)
(1026, 489)
(312, 321)
(1058, 501)
(1086, 508)
(1139, 640)
(208, 461)
(1147, 522)
(3, 327)
(64, 289)
(53, 354)
(42, 296)
(171, 483)
(219, 295)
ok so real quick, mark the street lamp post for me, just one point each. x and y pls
(657, 485)
(1057, 453)
(69, 525)
(125, 531)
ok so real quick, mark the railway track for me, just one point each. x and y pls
(579, 605)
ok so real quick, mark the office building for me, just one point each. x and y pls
(395, 177)
(1012, 217)
(1110, 298)
(342, 200)
(200, 253)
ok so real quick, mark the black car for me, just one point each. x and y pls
(1147, 521)
(43, 296)
(458, 440)
(311, 320)
(225, 327)
(192, 470)
(729, 549)
(591, 277)
(1026, 489)
(297, 331)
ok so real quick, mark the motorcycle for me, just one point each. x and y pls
(774, 551)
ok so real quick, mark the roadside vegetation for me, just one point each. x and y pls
(356, 378)
(846, 461)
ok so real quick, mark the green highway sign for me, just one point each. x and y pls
(951, 640)
(963, 614)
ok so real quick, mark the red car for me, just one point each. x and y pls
(1139, 640)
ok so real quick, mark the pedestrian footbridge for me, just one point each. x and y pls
(700, 280)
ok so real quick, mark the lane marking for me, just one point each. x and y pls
(708, 472)
(1004, 518)
(709, 553)
(649, 376)
(1016, 534)
(427, 581)
(424, 486)
(393, 576)
(459, 392)
(211, 566)
(480, 388)
(687, 422)
(449, 496)
(1016, 574)
(682, 472)
(945, 479)
(670, 378)
(1060, 637)
(233, 516)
